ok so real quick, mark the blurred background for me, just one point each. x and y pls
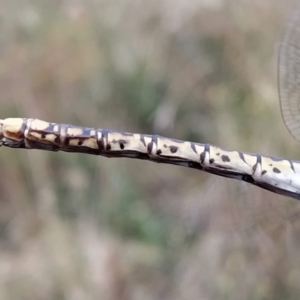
(75, 226)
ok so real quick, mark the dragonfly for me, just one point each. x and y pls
(278, 175)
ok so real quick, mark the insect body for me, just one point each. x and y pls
(278, 175)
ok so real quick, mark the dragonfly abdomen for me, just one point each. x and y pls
(278, 175)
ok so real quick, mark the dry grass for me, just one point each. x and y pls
(81, 227)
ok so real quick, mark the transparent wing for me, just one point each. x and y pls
(289, 75)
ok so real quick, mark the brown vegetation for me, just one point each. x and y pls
(85, 227)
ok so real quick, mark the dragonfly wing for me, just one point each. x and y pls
(289, 75)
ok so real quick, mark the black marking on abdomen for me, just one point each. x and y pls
(258, 161)
(149, 148)
(241, 155)
(195, 165)
(142, 139)
(150, 145)
(202, 154)
(225, 158)
(263, 172)
(23, 128)
(275, 170)
(248, 178)
(121, 143)
(173, 149)
(193, 146)
(291, 164)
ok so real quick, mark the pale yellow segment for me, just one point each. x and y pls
(37, 124)
(135, 143)
(35, 136)
(279, 174)
(179, 149)
(130, 142)
(269, 164)
(115, 136)
(90, 142)
(74, 131)
(250, 159)
(11, 127)
(231, 160)
(77, 136)
(73, 142)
